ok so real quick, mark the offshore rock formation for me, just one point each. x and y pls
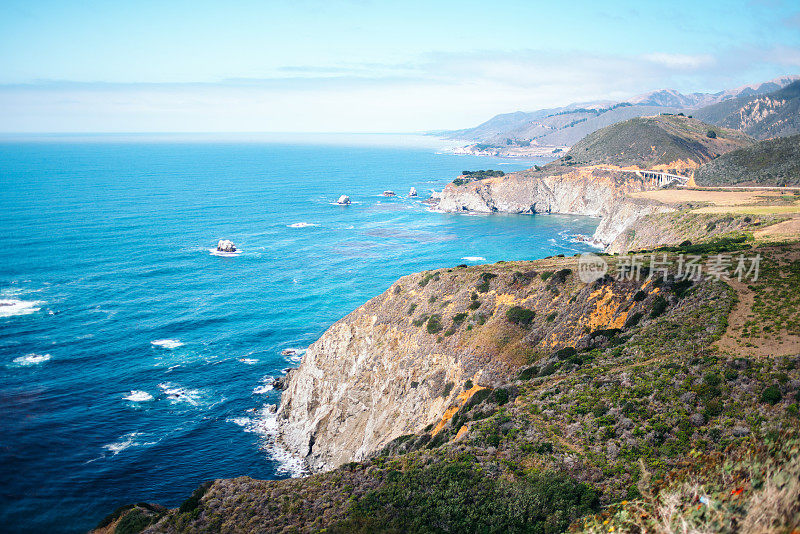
(344, 200)
(225, 245)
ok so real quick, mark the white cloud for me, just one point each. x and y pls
(680, 61)
(441, 91)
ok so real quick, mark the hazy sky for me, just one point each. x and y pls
(362, 65)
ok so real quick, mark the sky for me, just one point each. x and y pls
(366, 65)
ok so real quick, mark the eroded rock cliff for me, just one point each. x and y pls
(409, 358)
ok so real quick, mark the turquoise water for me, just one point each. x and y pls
(136, 364)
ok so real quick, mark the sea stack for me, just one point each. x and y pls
(344, 200)
(412, 192)
(225, 245)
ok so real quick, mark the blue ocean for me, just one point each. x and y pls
(135, 363)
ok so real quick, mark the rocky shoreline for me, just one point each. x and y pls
(595, 191)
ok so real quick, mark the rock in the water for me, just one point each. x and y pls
(225, 245)
(344, 200)
(412, 192)
(388, 193)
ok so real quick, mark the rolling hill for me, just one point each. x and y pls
(649, 142)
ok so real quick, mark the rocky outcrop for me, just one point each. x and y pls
(224, 245)
(626, 215)
(597, 191)
(344, 200)
(412, 192)
(409, 358)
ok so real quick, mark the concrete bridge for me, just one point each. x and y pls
(663, 179)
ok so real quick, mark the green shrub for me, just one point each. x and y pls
(771, 395)
(411, 309)
(633, 320)
(550, 318)
(520, 316)
(434, 324)
(193, 502)
(457, 497)
(459, 318)
(659, 306)
(135, 521)
(483, 285)
(500, 396)
(548, 370)
(545, 275)
(565, 353)
(527, 374)
(474, 305)
(713, 408)
(447, 389)
(468, 385)
(711, 134)
(639, 296)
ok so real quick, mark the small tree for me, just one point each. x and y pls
(711, 134)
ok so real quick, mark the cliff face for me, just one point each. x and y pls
(401, 362)
(597, 191)
(591, 190)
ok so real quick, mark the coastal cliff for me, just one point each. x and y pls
(410, 358)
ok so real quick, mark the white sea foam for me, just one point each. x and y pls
(138, 396)
(127, 441)
(243, 422)
(167, 343)
(176, 393)
(248, 361)
(302, 225)
(474, 258)
(293, 355)
(266, 426)
(215, 252)
(12, 307)
(31, 359)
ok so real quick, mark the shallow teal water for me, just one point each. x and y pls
(107, 251)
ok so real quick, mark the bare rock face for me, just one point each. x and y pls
(598, 191)
(344, 200)
(225, 245)
(402, 361)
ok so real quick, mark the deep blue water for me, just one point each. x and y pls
(106, 250)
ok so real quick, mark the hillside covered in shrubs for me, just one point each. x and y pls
(660, 416)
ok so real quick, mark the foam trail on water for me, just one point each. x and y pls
(138, 396)
(12, 307)
(167, 343)
(474, 258)
(266, 426)
(31, 359)
(302, 225)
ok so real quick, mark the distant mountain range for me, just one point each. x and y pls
(738, 108)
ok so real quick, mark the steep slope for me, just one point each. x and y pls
(776, 114)
(673, 141)
(774, 162)
(605, 412)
